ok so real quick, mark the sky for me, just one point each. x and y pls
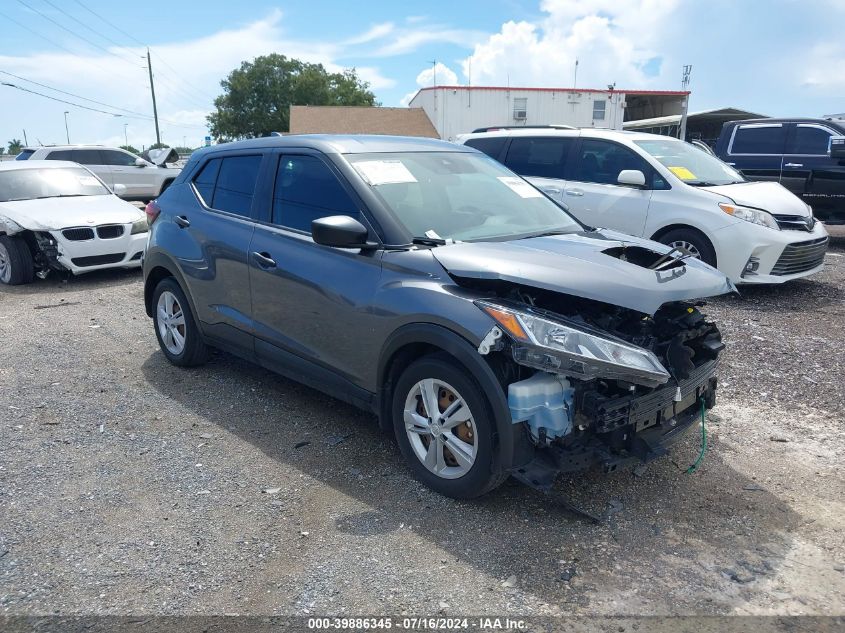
(774, 57)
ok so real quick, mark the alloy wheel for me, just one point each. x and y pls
(693, 250)
(5, 265)
(171, 323)
(440, 428)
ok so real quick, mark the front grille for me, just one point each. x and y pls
(79, 235)
(110, 231)
(98, 260)
(137, 256)
(801, 257)
(796, 222)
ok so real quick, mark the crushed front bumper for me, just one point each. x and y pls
(625, 430)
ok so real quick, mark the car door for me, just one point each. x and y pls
(541, 160)
(809, 171)
(212, 232)
(756, 149)
(593, 194)
(310, 302)
(125, 172)
(93, 160)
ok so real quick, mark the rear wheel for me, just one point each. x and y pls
(692, 241)
(16, 265)
(178, 334)
(444, 427)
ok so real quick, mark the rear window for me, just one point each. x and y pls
(759, 139)
(540, 157)
(25, 154)
(491, 145)
(228, 184)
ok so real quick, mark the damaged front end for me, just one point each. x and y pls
(593, 383)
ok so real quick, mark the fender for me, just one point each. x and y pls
(158, 259)
(509, 436)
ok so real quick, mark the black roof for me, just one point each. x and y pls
(342, 144)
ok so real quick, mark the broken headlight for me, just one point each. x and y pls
(573, 349)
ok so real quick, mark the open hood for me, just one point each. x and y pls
(161, 157)
(768, 196)
(590, 265)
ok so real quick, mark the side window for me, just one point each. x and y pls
(111, 157)
(759, 139)
(809, 139)
(236, 184)
(205, 180)
(61, 154)
(306, 189)
(87, 157)
(492, 145)
(601, 161)
(541, 157)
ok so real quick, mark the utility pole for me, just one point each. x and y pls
(67, 132)
(153, 92)
(125, 137)
(575, 75)
(25, 142)
(682, 129)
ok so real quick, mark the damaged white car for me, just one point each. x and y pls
(57, 215)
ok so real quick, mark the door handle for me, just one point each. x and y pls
(731, 164)
(182, 221)
(574, 192)
(264, 260)
(794, 165)
(551, 190)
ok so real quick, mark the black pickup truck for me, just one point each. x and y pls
(807, 156)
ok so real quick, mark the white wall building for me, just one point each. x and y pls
(461, 109)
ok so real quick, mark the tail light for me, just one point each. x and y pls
(152, 210)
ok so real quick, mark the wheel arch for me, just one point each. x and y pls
(416, 340)
(156, 268)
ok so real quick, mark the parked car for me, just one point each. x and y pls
(488, 329)
(794, 152)
(57, 215)
(670, 191)
(143, 179)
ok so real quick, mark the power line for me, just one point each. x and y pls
(94, 31)
(114, 26)
(75, 34)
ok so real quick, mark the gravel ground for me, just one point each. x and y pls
(128, 486)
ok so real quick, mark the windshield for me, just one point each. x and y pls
(691, 164)
(32, 184)
(459, 196)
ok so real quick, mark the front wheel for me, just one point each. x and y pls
(16, 266)
(693, 241)
(444, 427)
(176, 330)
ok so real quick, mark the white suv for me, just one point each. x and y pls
(661, 188)
(142, 179)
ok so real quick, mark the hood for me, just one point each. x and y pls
(161, 156)
(768, 196)
(58, 213)
(587, 265)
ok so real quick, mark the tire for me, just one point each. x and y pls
(179, 337)
(16, 265)
(701, 246)
(473, 475)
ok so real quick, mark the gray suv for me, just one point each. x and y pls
(485, 327)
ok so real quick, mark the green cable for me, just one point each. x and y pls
(698, 461)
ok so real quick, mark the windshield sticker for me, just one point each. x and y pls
(683, 173)
(520, 187)
(384, 172)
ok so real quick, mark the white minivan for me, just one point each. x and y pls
(669, 191)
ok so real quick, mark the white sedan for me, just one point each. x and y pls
(57, 215)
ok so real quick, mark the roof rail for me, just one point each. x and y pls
(494, 128)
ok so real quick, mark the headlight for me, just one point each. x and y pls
(571, 349)
(749, 214)
(140, 226)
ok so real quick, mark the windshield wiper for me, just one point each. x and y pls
(61, 195)
(428, 241)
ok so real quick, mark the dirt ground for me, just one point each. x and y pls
(128, 486)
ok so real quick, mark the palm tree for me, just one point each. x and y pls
(15, 146)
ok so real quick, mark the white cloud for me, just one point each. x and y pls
(445, 77)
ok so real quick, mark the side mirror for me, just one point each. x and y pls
(631, 177)
(837, 147)
(140, 162)
(340, 231)
(119, 190)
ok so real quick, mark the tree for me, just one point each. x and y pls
(257, 96)
(158, 146)
(130, 148)
(15, 146)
